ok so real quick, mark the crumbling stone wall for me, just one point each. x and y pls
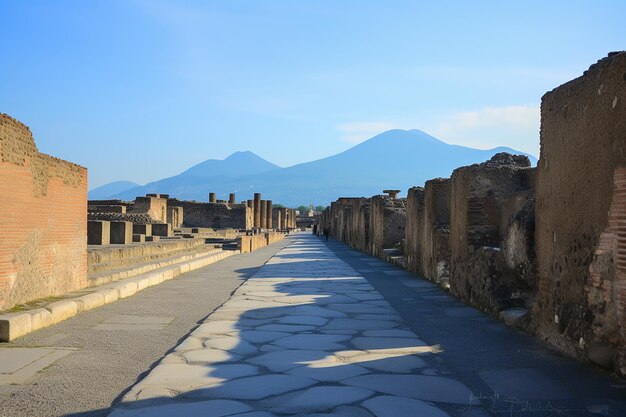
(581, 239)
(175, 216)
(477, 215)
(153, 205)
(426, 246)
(413, 230)
(387, 223)
(215, 215)
(43, 220)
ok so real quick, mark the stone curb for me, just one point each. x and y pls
(14, 325)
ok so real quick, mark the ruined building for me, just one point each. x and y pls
(43, 211)
(483, 199)
(581, 240)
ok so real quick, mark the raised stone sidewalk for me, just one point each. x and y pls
(305, 335)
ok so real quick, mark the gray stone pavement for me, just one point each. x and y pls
(80, 366)
(308, 335)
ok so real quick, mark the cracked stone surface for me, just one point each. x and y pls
(306, 335)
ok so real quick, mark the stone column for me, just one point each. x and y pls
(257, 209)
(268, 211)
(231, 199)
(212, 198)
(250, 203)
(263, 214)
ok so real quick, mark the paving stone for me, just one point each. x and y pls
(320, 399)
(392, 363)
(258, 336)
(396, 343)
(346, 411)
(389, 317)
(210, 356)
(213, 408)
(189, 343)
(290, 328)
(217, 327)
(179, 377)
(231, 344)
(312, 341)
(352, 324)
(389, 406)
(331, 373)
(421, 387)
(360, 308)
(284, 360)
(388, 333)
(312, 320)
(313, 311)
(254, 388)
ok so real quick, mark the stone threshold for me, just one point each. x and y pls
(14, 325)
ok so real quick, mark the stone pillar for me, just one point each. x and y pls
(250, 203)
(212, 198)
(268, 211)
(231, 199)
(257, 209)
(263, 214)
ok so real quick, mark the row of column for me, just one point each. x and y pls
(262, 210)
(213, 198)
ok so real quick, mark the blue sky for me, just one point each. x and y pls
(140, 90)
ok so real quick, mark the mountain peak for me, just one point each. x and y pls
(242, 155)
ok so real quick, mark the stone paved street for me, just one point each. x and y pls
(309, 335)
(305, 335)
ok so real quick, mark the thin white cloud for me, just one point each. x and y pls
(513, 126)
(357, 132)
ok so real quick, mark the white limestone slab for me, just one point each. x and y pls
(210, 356)
(231, 344)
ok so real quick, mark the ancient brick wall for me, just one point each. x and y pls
(43, 220)
(215, 215)
(477, 192)
(580, 237)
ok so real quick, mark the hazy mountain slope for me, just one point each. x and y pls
(395, 159)
(109, 190)
(209, 173)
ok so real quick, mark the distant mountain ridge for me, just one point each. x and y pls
(396, 159)
(111, 189)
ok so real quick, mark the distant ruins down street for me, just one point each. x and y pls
(543, 249)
